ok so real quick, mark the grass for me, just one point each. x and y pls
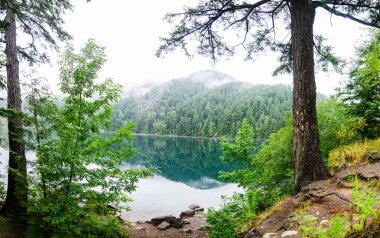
(359, 153)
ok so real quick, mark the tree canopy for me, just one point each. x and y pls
(257, 22)
(362, 91)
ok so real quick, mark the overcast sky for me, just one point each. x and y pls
(130, 31)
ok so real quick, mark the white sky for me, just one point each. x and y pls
(130, 31)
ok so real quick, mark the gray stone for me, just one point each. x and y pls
(163, 226)
(270, 235)
(185, 221)
(289, 234)
(139, 228)
(158, 220)
(194, 206)
(177, 223)
(323, 222)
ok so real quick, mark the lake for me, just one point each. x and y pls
(188, 173)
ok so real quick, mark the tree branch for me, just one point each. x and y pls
(345, 15)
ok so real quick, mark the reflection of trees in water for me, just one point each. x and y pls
(193, 161)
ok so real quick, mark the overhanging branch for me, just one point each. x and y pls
(342, 14)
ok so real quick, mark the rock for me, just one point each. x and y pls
(139, 222)
(185, 221)
(373, 157)
(158, 220)
(253, 233)
(187, 231)
(173, 221)
(323, 222)
(163, 226)
(188, 213)
(177, 223)
(194, 206)
(199, 209)
(270, 235)
(139, 228)
(289, 234)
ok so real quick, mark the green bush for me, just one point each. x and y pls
(228, 221)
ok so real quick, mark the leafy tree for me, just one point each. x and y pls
(79, 168)
(241, 149)
(207, 22)
(362, 91)
(41, 21)
(268, 175)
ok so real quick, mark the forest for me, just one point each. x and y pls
(188, 107)
(296, 162)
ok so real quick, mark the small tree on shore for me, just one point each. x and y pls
(80, 169)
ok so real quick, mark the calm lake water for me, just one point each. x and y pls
(188, 173)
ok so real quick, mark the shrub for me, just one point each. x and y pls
(228, 221)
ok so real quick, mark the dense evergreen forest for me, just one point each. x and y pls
(206, 103)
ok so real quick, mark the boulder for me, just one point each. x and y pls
(177, 223)
(270, 235)
(289, 234)
(188, 213)
(158, 220)
(171, 220)
(163, 226)
(194, 206)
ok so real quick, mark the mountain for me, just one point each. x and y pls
(206, 103)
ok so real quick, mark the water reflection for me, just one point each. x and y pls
(192, 161)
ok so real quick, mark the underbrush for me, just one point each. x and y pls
(230, 220)
(365, 210)
(359, 153)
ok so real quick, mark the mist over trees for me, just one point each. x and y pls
(190, 108)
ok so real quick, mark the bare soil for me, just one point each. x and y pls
(322, 199)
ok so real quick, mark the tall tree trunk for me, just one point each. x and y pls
(308, 163)
(15, 205)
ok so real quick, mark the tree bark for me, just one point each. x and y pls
(308, 163)
(15, 205)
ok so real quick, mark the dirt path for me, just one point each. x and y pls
(193, 230)
(322, 199)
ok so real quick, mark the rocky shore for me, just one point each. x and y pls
(190, 224)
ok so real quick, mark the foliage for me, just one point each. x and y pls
(78, 167)
(270, 172)
(189, 107)
(41, 23)
(362, 91)
(242, 147)
(228, 221)
(336, 227)
(358, 153)
(256, 24)
(365, 207)
(337, 126)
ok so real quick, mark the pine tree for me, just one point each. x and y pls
(207, 21)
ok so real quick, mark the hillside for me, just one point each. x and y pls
(206, 103)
